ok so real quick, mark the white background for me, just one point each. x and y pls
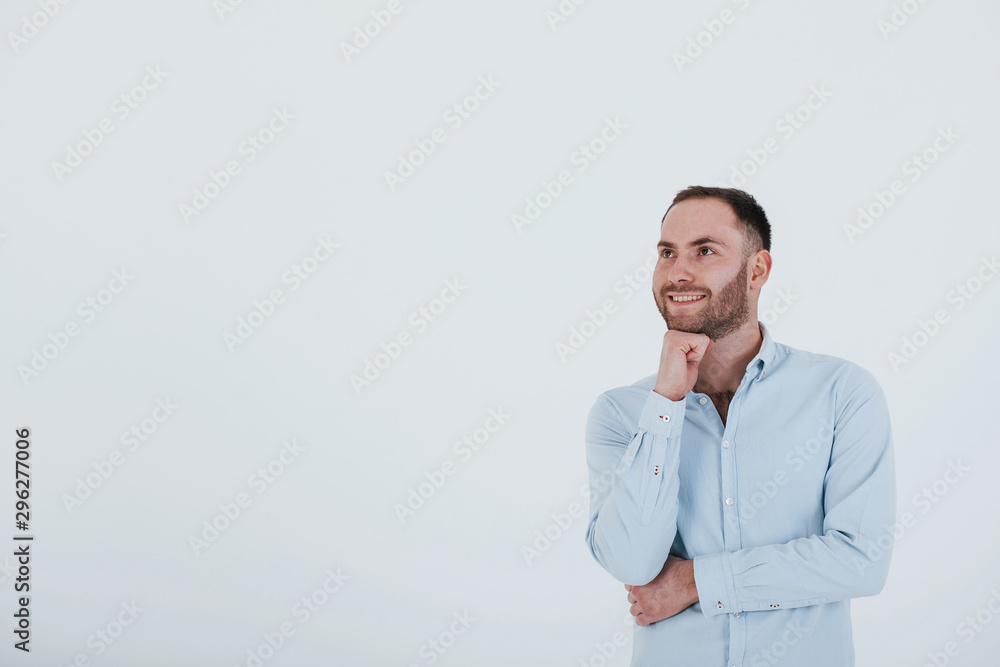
(62, 235)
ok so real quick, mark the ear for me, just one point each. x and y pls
(760, 269)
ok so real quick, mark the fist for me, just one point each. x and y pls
(680, 356)
(671, 592)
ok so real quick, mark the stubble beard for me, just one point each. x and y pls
(725, 313)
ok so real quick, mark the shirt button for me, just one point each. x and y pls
(729, 501)
(665, 418)
(703, 400)
(737, 614)
(725, 443)
(719, 606)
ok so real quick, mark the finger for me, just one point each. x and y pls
(628, 587)
(632, 598)
(634, 610)
(701, 344)
(698, 351)
(641, 620)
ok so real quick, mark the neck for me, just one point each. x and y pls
(723, 368)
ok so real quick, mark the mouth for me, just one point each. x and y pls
(685, 298)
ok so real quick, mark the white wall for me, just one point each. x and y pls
(190, 277)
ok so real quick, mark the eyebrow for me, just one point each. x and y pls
(702, 241)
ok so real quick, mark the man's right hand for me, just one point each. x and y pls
(679, 359)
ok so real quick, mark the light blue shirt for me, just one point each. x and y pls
(788, 509)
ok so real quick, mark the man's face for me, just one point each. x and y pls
(701, 256)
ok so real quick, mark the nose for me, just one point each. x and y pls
(680, 271)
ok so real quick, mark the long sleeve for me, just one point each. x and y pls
(851, 558)
(633, 486)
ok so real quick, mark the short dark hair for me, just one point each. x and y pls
(757, 230)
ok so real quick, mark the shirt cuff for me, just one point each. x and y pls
(713, 576)
(660, 415)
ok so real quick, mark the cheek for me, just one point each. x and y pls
(659, 276)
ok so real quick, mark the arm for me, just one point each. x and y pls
(633, 487)
(851, 558)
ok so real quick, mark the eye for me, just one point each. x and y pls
(664, 251)
(706, 248)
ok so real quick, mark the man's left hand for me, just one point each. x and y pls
(671, 592)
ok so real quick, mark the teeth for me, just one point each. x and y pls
(687, 298)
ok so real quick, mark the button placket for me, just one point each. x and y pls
(730, 476)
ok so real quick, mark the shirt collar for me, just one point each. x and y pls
(760, 363)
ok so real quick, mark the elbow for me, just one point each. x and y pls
(874, 582)
(641, 574)
(872, 566)
(622, 562)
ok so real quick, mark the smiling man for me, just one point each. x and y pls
(746, 491)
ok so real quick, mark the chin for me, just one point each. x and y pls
(685, 326)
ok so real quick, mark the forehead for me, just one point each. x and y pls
(694, 218)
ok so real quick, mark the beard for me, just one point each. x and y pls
(723, 313)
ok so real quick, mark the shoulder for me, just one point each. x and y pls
(841, 376)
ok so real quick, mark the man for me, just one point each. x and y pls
(746, 491)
